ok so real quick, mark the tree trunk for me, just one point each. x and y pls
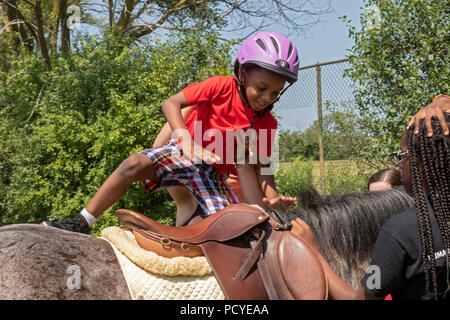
(111, 13)
(125, 16)
(11, 12)
(40, 33)
(65, 31)
(9, 15)
(55, 26)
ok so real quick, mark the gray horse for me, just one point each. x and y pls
(46, 263)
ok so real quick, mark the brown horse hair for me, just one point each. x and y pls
(432, 155)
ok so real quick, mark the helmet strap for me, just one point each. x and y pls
(270, 107)
(242, 88)
(260, 114)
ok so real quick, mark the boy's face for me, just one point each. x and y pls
(262, 87)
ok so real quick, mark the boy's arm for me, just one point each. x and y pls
(272, 199)
(260, 189)
(172, 111)
(250, 185)
(164, 136)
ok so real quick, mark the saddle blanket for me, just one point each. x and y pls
(152, 277)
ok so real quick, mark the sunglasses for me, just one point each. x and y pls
(399, 156)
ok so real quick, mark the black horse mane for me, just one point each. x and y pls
(346, 227)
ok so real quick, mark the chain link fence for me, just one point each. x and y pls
(304, 93)
(322, 94)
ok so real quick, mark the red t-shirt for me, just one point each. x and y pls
(219, 113)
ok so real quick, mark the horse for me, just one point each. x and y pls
(346, 227)
(38, 262)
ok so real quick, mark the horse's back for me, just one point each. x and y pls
(38, 262)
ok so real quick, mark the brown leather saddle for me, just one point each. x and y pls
(254, 256)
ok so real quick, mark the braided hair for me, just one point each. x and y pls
(431, 158)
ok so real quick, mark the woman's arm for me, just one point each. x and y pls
(338, 289)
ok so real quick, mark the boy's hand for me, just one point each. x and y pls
(195, 152)
(436, 109)
(280, 202)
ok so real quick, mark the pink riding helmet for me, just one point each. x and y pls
(271, 51)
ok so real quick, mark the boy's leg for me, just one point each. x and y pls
(135, 168)
(211, 190)
(186, 203)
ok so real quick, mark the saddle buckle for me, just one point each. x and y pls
(185, 246)
(165, 242)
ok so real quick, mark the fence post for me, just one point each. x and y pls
(319, 124)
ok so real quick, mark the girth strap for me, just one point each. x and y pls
(257, 248)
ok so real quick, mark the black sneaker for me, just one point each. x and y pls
(77, 224)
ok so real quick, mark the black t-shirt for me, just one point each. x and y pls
(397, 258)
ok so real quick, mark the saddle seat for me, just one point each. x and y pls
(210, 228)
(252, 254)
(171, 242)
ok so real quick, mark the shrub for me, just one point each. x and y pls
(99, 105)
(294, 177)
(346, 176)
(399, 62)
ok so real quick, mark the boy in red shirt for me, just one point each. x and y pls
(203, 151)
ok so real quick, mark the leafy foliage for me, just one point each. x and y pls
(347, 176)
(98, 105)
(400, 61)
(294, 177)
(341, 135)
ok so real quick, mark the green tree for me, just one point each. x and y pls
(295, 177)
(294, 144)
(341, 133)
(45, 27)
(399, 62)
(63, 132)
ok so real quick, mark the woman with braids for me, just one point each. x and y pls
(411, 256)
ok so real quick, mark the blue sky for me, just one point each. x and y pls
(328, 40)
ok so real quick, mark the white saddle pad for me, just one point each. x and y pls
(152, 277)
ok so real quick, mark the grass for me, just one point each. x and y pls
(341, 176)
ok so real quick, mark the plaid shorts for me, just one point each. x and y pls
(202, 180)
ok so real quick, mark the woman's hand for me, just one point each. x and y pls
(300, 228)
(435, 109)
